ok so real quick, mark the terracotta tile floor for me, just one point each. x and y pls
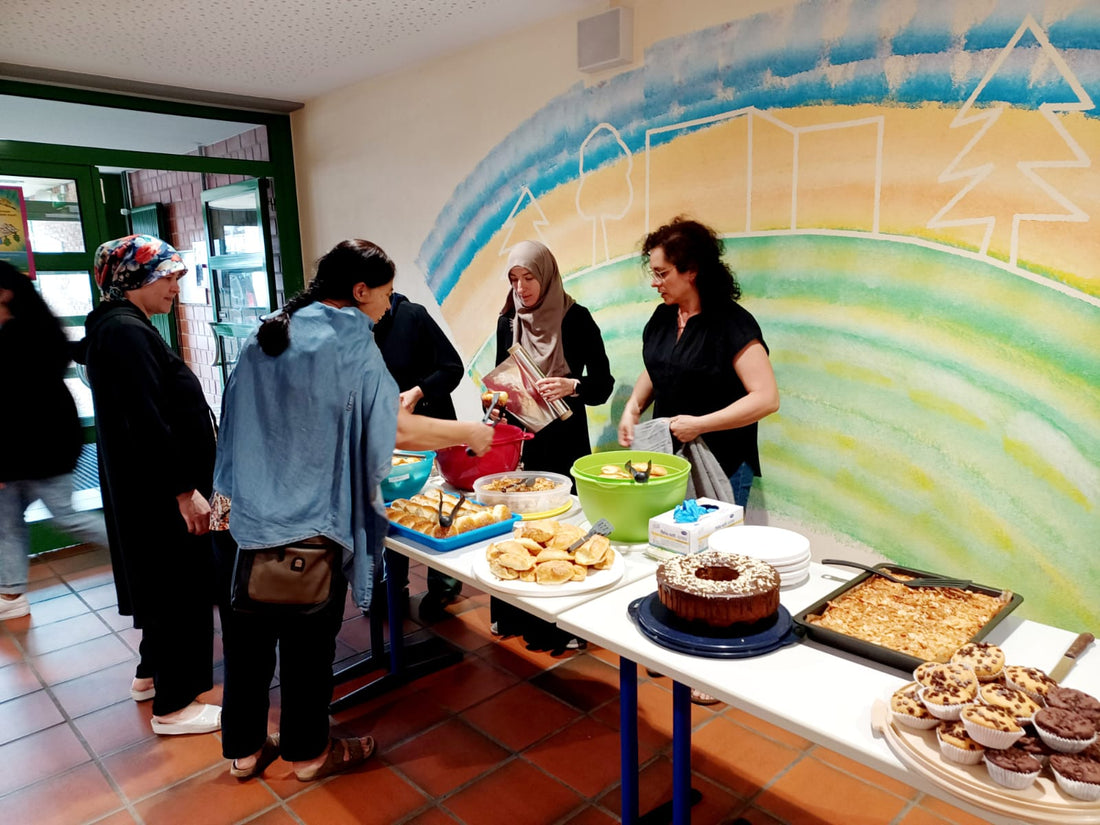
(508, 735)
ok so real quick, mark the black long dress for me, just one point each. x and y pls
(557, 445)
(156, 440)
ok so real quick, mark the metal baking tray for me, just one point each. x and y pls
(878, 653)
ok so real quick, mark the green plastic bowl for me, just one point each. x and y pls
(626, 504)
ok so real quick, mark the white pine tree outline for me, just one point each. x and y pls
(510, 222)
(987, 118)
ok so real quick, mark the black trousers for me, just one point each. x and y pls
(176, 651)
(306, 647)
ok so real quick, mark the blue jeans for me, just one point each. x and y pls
(741, 482)
(57, 494)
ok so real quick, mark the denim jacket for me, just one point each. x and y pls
(306, 438)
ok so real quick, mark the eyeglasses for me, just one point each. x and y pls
(659, 275)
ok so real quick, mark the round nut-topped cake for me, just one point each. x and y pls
(718, 588)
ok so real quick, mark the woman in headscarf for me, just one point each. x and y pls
(564, 340)
(156, 455)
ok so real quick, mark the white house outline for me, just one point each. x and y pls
(510, 221)
(752, 113)
(987, 118)
(603, 218)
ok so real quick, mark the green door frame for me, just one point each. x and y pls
(279, 169)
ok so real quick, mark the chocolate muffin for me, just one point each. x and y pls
(1077, 776)
(1012, 768)
(1035, 746)
(1076, 700)
(1064, 730)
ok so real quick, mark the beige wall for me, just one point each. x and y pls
(380, 159)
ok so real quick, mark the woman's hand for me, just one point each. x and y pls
(410, 398)
(195, 511)
(685, 428)
(627, 423)
(480, 438)
(553, 389)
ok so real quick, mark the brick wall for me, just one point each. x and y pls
(181, 192)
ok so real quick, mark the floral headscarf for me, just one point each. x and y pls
(132, 262)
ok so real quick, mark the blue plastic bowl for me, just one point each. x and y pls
(407, 480)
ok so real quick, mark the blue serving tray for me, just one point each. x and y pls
(459, 540)
(663, 627)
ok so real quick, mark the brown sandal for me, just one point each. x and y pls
(342, 755)
(268, 754)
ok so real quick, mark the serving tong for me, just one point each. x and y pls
(447, 520)
(919, 581)
(603, 527)
(487, 418)
(640, 476)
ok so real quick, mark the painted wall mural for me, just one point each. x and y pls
(909, 196)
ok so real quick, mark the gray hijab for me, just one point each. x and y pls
(538, 327)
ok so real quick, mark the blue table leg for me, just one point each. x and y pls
(681, 754)
(395, 616)
(628, 739)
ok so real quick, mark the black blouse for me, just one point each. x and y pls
(694, 375)
(560, 443)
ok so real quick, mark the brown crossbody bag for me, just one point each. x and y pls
(296, 578)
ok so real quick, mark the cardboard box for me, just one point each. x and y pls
(691, 537)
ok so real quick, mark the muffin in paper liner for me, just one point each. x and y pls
(1087, 791)
(1015, 780)
(960, 756)
(1032, 681)
(913, 721)
(989, 737)
(907, 709)
(1061, 744)
(948, 713)
(998, 695)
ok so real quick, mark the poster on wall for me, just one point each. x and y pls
(15, 246)
(193, 288)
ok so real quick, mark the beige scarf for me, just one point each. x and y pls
(538, 328)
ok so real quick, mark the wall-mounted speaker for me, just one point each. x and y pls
(605, 40)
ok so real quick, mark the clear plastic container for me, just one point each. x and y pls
(499, 488)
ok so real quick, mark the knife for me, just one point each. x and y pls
(1069, 658)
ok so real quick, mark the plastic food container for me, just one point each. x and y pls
(627, 504)
(461, 470)
(525, 501)
(407, 480)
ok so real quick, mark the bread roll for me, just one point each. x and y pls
(554, 572)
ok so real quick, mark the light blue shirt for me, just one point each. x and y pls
(306, 438)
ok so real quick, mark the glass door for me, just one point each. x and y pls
(63, 229)
(238, 233)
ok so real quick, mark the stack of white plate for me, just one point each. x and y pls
(785, 550)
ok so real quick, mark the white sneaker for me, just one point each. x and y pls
(14, 608)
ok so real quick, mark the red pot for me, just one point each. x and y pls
(461, 470)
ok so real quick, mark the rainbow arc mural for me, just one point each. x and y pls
(908, 195)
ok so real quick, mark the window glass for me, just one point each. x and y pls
(82, 395)
(53, 216)
(66, 293)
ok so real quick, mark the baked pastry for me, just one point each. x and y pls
(909, 710)
(929, 623)
(935, 674)
(1063, 730)
(1012, 768)
(1076, 700)
(956, 744)
(538, 553)
(1077, 776)
(720, 589)
(986, 660)
(1030, 680)
(991, 727)
(1016, 702)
